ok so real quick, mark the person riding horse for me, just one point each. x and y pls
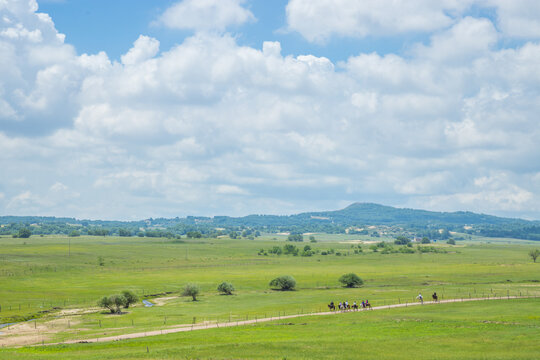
(331, 306)
(435, 297)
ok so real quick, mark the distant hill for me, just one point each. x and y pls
(338, 221)
(369, 213)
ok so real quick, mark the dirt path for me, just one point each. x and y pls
(187, 327)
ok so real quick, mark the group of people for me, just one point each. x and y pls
(434, 297)
(346, 306)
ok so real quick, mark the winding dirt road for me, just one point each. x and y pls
(187, 327)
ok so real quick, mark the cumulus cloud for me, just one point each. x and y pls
(212, 127)
(143, 49)
(206, 15)
(318, 20)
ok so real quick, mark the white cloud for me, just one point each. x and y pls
(212, 127)
(143, 49)
(230, 190)
(468, 39)
(319, 20)
(206, 15)
(518, 18)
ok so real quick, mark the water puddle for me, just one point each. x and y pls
(147, 303)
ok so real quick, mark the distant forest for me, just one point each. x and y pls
(360, 218)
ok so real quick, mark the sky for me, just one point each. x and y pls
(132, 109)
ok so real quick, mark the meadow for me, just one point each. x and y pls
(40, 274)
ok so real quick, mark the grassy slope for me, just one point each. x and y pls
(506, 329)
(39, 273)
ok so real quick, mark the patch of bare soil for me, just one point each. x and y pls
(163, 300)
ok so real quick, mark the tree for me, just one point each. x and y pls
(351, 280)
(534, 254)
(425, 240)
(285, 282)
(276, 250)
(312, 239)
(194, 234)
(290, 249)
(191, 290)
(295, 237)
(114, 303)
(451, 242)
(124, 232)
(74, 233)
(226, 288)
(130, 298)
(402, 240)
(24, 233)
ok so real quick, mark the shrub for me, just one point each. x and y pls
(534, 254)
(194, 235)
(226, 288)
(406, 250)
(114, 303)
(290, 249)
(130, 298)
(351, 280)
(402, 240)
(24, 233)
(285, 282)
(295, 237)
(191, 290)
(276, 250)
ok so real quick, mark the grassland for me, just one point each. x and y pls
(506, 329)
(44, 272)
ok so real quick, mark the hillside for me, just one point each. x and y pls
(338, 221)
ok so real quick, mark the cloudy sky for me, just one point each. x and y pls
(132, 109)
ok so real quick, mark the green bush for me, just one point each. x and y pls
(130, 298)
(285, 282)
(74, 233)
(402, 240)
(24, 233)
(114, 303)
(191, 290)
(351, 280)
(226, 288)
(295, 237)
(290, 249)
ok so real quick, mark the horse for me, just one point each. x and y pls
(367, 305)
(435, 297)
(332, 307)
(355, 307)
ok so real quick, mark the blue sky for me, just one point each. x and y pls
(100, 25)
(134, 109)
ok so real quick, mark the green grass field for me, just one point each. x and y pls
(40, 273)
(500, 329)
